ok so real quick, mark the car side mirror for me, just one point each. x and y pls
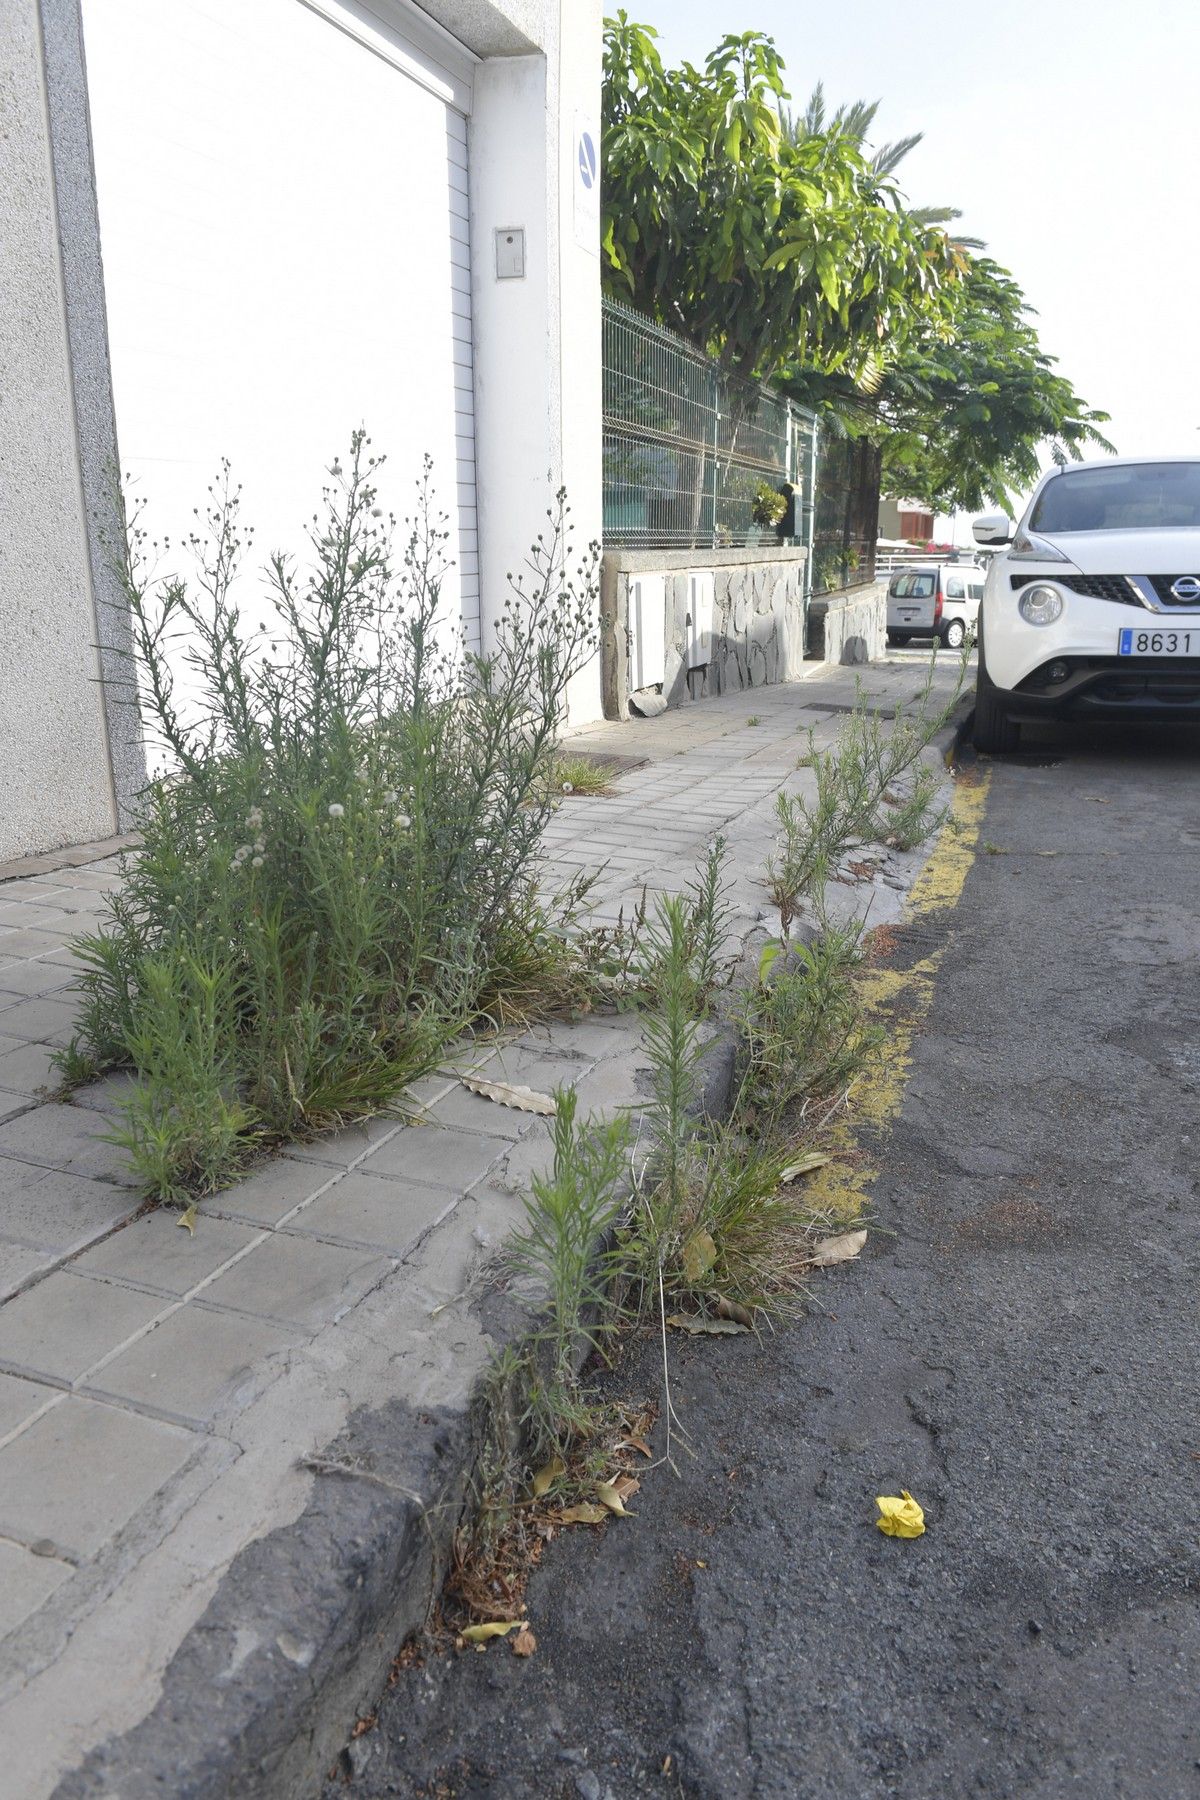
(993, 528)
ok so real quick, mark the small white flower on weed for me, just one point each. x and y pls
(256, 862)
(260, 845)
(403, 821)
(337, 811)
(567, 788)
(391, 797)
(254, 818)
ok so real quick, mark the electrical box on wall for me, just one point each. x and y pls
(701, 595)
(647, 631)
(510, 252)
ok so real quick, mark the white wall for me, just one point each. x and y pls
(55, 770)
(537, 340)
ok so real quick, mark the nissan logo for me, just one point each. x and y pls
(1186, 588)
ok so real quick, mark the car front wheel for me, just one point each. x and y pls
(955, 632)
(993, 731)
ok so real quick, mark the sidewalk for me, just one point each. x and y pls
(230, 1464)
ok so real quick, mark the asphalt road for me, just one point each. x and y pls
(1022, 1354)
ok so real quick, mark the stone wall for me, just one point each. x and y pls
(849, 626)
(758, 626)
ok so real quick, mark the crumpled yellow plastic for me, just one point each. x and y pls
(901, 1517)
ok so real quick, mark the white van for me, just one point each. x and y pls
(938, 600)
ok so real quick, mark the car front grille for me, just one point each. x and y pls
(1162, 587)
(1103, 587)
(1097, 587)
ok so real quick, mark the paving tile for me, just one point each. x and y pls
(340, 1148)
(20, 1399)
(67, 1138)
(82, 1470)
(444, 1157)
(19, 1263)
(16, 914)
(375, 1212)
(106, 1095)
(534, 1155)
(48, 1210)
(12, 1104)
(18, 941)
(537, 1066)
(472, 1112)
(27, 1068)
(297, 1281)
(65, 1324)
(47, 1021)
(25, 1581)
(270, 1191)
(154, 1252)
(198, 1363)
(35, 975)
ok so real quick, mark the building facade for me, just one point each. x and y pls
(245, 229)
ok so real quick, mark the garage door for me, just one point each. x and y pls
(283, 211)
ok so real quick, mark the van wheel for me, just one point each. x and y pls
(897, 637)
(993, 731)
(955, 632)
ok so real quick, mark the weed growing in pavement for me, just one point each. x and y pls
(578, 775)
(564, 1246)
(338, 869)
(802, 1030)
(853, 779)
(916, 815)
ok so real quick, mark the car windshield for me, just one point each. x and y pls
(912, 587)
(1135, 497)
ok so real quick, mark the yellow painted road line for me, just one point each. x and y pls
(898, 1001)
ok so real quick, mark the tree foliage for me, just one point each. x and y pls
(781, 243)
(965, 413)
(766, 248)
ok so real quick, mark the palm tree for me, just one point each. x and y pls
(854, 121)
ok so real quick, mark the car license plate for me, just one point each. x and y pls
(1160, 643)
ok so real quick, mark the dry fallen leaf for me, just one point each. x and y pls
(187, 1219)
(505, 1094)
(696, 1326)
(635, 1443)
(545, 1478)
(495, 1628)
(585, 1513)
(524, 1644)
(732, 1309)
(815, 1159)
(626, 1485)
(699, 1255)
(608, 1495)
(838, 1249)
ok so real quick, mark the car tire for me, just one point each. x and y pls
(992, 730)
(897, 637)
(954, 634)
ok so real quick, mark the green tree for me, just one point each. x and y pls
(965, 414)
(768, 250)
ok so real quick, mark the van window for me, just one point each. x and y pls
(975, 590)
(910, 586)
(955, 588)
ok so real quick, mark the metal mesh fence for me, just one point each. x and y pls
(692, 454)
(846, 523)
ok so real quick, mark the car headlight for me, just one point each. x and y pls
(1040, 605)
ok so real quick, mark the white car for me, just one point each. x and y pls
(934, 600)
(1091, 608)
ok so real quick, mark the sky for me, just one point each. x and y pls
(1067, 131)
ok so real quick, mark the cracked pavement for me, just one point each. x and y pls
(1018, 1346)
